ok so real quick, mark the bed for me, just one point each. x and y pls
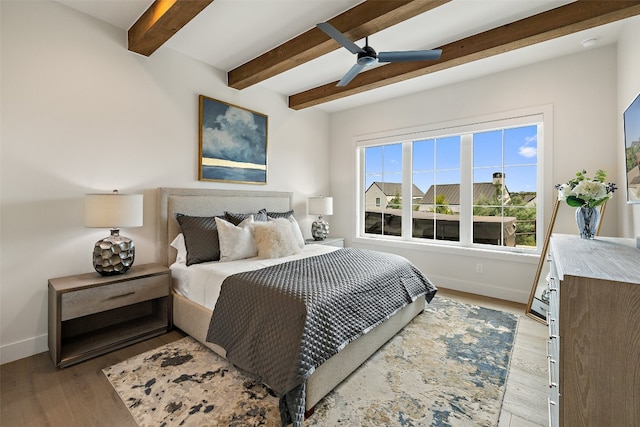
(194, 318)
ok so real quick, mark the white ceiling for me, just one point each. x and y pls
(229, 33)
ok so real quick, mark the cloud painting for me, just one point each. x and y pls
(233, 143)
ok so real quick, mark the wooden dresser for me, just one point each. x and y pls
(594, 332)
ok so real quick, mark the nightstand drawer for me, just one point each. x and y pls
(102, 298)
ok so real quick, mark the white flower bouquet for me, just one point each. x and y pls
(583, 191)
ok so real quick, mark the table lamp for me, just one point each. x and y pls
(320, 206)
(113, 254)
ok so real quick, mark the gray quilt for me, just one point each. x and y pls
(281, 322)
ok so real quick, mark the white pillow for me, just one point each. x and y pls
(275, 238)
(296, 231)
(178, 244)
(295, 228)
(236, 242)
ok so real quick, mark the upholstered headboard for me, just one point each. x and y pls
(205, 202)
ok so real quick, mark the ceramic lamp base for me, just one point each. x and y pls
(320, 229)
(114, 254)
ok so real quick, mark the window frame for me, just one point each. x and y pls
(542, 115)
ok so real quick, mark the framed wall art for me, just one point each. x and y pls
(631, 119)
(233, 143)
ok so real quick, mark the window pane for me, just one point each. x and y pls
(521, 182)
(487, 149)
(504, 195)
(448, 153)
(489, 225)
(383, 190)
(521, 146)
(436, 171)
(423, 176)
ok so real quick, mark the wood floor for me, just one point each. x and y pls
(34, 393)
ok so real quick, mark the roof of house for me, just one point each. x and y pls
(393, 188)
(528, 196)
(451, 192)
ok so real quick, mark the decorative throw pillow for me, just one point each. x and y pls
(178, 245)
(295, 227)
(200, 238)
(275, 239)
(286, 214)
(236, 242)
(237, 218)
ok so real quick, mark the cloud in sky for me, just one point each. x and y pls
(527, 150)
(235, 134)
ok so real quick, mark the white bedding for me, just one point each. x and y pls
(201, 282)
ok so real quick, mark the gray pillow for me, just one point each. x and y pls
(200, 238)
(237, 218)
(280, 214)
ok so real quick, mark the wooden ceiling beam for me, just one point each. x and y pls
(554, 23)
(160, 22)
(362, 20)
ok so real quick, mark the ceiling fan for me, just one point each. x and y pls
(368, 56)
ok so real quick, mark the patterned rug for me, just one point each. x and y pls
(448, 367)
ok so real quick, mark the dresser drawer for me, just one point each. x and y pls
(101, 298)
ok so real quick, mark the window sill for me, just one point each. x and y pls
(527, 257)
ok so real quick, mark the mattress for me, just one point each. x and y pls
(201, 283)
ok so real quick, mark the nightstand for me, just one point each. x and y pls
(90, 314)
(329, 241)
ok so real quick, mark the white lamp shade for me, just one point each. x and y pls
(321, 205)
(113, 210)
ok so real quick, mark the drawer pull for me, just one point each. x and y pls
(552, 382)
(551, 323)
(122, 295)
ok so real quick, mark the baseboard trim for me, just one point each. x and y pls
(21, 349)
(483, 289)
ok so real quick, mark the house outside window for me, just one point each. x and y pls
(468, 185)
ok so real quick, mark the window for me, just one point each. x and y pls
(469, 185)
(436, 169)
(383, 171)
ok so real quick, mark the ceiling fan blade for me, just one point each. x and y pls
(350, 75)
(409, 55)
(331, 31)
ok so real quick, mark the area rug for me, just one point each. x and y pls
(448, 367)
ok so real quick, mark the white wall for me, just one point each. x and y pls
(582, 91)
(628, 89)
(82, 114)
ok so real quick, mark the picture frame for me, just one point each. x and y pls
(232, 143)
(631, 120)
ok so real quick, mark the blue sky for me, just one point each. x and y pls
(518, 146)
